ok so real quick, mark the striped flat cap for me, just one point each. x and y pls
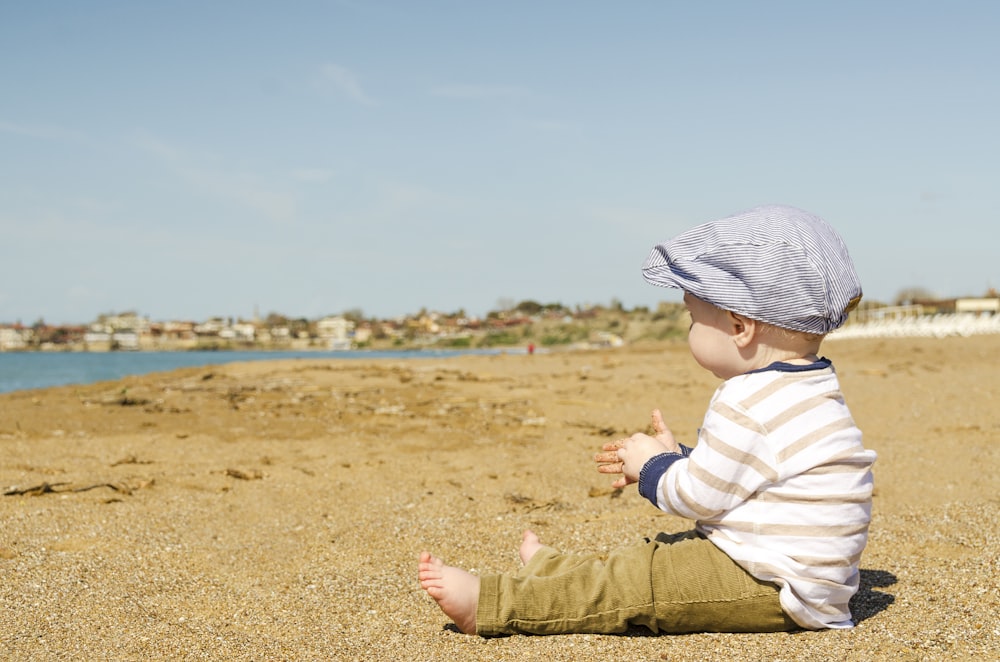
(775, 264)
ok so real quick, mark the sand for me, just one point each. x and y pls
(275, 510)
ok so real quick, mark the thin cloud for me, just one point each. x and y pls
(248, 190)
(646, 224)
(479, 91)
(313, 175)
(43, 131)
(158, 148)
(550, 125)
(401, 196)
(347, 83)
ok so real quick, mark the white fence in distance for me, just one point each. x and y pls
(926, 326)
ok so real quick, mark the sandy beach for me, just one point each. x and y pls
(275, 510)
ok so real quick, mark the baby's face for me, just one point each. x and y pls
(711, 338)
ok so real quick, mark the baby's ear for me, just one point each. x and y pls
(743, 328)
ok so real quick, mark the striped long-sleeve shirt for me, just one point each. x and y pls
(780, 481)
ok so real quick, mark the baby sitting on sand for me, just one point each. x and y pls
(779, 484)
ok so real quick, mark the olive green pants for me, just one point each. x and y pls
(675, 583)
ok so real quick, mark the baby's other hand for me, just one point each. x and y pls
(636, 451)
(663, 433)
(627, 456)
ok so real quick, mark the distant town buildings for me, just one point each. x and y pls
(14, 338)
(527, 323)
(336, 332)
(130, 332)
(983, 305)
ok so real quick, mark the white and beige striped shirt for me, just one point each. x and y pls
(780, 481)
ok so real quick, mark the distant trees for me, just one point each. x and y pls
(355, 315)
(910, 295)
(529, 307)
(526, 308)
(301, 327)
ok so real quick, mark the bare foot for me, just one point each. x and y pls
(455, 590)
(529, 545)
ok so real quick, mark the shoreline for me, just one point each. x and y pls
(36, 370)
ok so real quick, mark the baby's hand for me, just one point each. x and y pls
(627, 456)
(637, 451)
(610, 463)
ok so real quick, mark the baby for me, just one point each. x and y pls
(778, 485)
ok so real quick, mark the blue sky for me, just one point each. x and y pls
(195, 159)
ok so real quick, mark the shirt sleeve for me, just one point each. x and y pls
(717, 475)
(653, 470)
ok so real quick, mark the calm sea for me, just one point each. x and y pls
(30, 370)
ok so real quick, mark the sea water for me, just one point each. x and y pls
(31, 370)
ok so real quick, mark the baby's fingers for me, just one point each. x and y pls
(610, 456)
(659, 426)
(614, 445)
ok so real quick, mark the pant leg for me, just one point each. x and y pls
(680, 583)
(698, 588)
(569, 593)
(547, 561)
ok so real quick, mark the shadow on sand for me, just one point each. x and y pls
(867, 601)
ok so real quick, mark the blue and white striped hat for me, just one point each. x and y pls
(774, 264)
